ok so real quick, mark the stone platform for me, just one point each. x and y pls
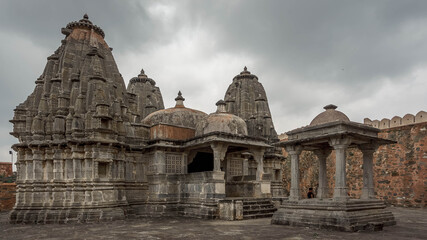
(411, 224)
(351, 215)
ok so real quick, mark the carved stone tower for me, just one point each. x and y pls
(72, 132)
(246, 98)
(148, 95)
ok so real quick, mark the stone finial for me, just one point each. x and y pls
(179, 100)
(142, 74)
(220, 106)
(330, 107)
(86, 16)
(245, 71)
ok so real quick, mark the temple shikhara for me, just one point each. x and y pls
(92, 149)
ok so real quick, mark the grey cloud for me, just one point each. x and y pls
(307, 53)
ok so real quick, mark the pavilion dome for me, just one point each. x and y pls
(329, 115)
(176, 116)
(222, 121)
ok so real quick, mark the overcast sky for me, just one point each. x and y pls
(367, 57)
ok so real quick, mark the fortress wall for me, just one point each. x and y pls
(7, 196)
(6, 169)
(397, 121)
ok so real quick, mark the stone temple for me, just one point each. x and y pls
(92, 149)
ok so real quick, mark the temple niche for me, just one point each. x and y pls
(92, 149)
(330, 131)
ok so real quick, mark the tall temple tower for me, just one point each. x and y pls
(246, 98)
(73, 131)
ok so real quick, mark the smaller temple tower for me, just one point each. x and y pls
(149, 97)
(246, 98)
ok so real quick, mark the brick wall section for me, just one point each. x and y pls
(400, 170)
(7, 196)
(6, 169)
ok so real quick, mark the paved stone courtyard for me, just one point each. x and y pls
(411, 224)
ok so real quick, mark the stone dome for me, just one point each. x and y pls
(329, 115)
(221, 121)
(176, 116)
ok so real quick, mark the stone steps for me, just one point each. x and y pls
(257, 208)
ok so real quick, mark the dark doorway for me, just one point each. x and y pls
(202, 162)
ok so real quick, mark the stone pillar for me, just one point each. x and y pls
(245, 165)
(322, 190)
(368, 191)
(294, 151)
(340, 145)
(259, 159)
(219, 151)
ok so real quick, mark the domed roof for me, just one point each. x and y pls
(221, 121)
(177, 116)
(330, 115)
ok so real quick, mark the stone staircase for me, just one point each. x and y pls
(257, 208)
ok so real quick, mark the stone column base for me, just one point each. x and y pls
(352, 215)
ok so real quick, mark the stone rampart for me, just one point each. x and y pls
(397, 121)
(6, 169)
(7, 196)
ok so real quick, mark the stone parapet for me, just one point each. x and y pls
(397, 121)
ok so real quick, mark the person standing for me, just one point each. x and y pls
(310, 193)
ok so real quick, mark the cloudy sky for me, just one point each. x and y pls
(367, 57)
